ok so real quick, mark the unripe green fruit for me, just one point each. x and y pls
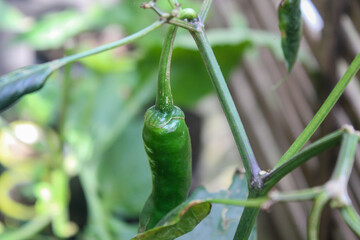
(188, 13)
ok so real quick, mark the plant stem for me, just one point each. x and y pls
(351, 218)
(300, 195)
(61, 223)
(65, 95)
(312, 150)
(252, 168)
(274, 197)
(173, 3)
(322, 112)
(228, 105)
(247, 221)
(59, 178)
(315, 216)
(346, 157)
(164, 100)
(27, 230)
(181, 23)
(97, 215)
(121, 42)
(256, 202)
(205, 7)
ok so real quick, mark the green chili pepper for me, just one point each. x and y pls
(167, 145)
(289, 14)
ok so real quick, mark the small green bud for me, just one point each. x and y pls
(188, 13)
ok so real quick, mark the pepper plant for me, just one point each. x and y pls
(168, 213)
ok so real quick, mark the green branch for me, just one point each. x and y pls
(181, 23)
(312, 150)
(65, 101)
(231, 113)
(351, 218)
(346, 157)
(252, 209)
(272, 198)
(335, 189)
(247, 221)
(164, 99)
(300, 195)
(255, 202)
(315, 216)
(322, 112)
(204, 10)
(173, 3)
(27, 230)
(129, 39)
(97, 215)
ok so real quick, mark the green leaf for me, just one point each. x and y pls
(181, 220)
(220, 224)
(25, 80)
(42, 107)
(289, 15)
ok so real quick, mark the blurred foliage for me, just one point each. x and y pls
(55, 28)
(52, 30)
(9, 182)
(125, 195)
(11, 19)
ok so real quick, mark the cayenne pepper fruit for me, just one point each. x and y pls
(167, 145)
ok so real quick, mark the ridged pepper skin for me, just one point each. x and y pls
(167, 145)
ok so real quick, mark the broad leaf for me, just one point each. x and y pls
(23, 81)
(181, 220)
(220, 224)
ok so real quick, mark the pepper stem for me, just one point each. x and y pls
(164, 100)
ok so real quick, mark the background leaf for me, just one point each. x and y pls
(189, 79)
(290, 25)
(23, 81)
(123, 173)
(11, 19)
(222, 222)
(54, 29)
